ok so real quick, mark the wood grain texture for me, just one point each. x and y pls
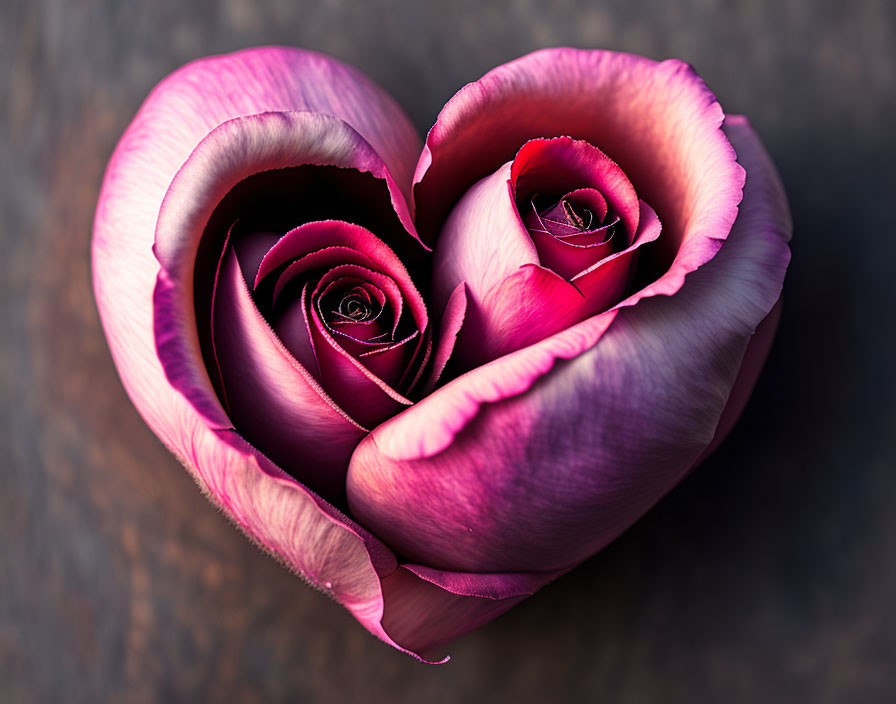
(768, 575)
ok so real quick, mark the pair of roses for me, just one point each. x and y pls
(430, 382)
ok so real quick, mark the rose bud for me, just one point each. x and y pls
(565, 226)
(321, 331)
(623, 247)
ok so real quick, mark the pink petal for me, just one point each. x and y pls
(314, 236)
(517, 476)
(231, 152)
(658, 121)
(322, 259)
(245, 146)
(293, 329)
(274, 402)
(364, 395)
(566, 257)
(529, 305)
(370, 334)
(483, 241)
(309, 536)
(604, 282)
(452, 321)
(360, 274)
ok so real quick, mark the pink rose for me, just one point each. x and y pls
(608, 252)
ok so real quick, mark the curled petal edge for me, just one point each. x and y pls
(230, 153)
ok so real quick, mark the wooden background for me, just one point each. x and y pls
(769, 575)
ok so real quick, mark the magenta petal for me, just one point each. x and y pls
(565, 164)
(452, 322)
(322, 259)
(229, 153)
(513, 299)
(568, 258)
(543, 479)
(533, 302)
(249, 145)
(604, 282)
(658, 121)
(358, 275)
(314, 236)
(556, 219)
(274, 402)
(530, 305)
(366, 397)
(294, 331)
(569, 249)
(483, 241)
(306, 534)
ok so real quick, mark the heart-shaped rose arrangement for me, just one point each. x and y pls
(429, 383)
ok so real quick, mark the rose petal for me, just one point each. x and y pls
(586, 451)
(557, 217)
(228, 154)
(364, 395)
(359, 274)
(452, 322)
(564, 164)
(274, 402)
(606, 280)
(566, 248)
(529, 305)
(313, 236)
(567, 257)
(658, 121)
(294, 331)
(321, 259)
(309, 536)
(483, 241)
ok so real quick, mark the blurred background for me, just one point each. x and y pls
(768, 575)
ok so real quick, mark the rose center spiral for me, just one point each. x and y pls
(565, 215)
(355, 305)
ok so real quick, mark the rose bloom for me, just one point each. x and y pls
(431, 383)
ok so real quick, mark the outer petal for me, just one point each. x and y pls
(543, 479)
(310, 537)
(658, 121)
(229, 154)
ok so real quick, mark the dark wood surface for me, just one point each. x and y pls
(768, 576)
